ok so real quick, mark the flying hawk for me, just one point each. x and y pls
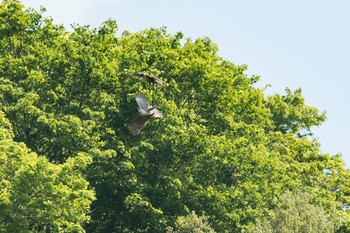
(149, 78)
(145, 112)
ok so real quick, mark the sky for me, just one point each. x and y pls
(294, 44)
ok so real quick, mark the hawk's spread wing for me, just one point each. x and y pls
(151, 79)
(146, 111)
(136, 124)
(158, 81)
(142, 102)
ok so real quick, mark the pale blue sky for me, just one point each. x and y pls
(288, 43)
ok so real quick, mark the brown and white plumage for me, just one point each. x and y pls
(145, 112)
(149, 78)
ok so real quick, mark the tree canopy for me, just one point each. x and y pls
(223, 150)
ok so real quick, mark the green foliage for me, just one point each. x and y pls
(191, 223)
(290, 114)
(223, 149)
(37, 196)
(299, 214)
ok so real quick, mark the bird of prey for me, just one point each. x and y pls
(145, 112)
(149, 78)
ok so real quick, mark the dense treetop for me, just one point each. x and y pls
(223, 150)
